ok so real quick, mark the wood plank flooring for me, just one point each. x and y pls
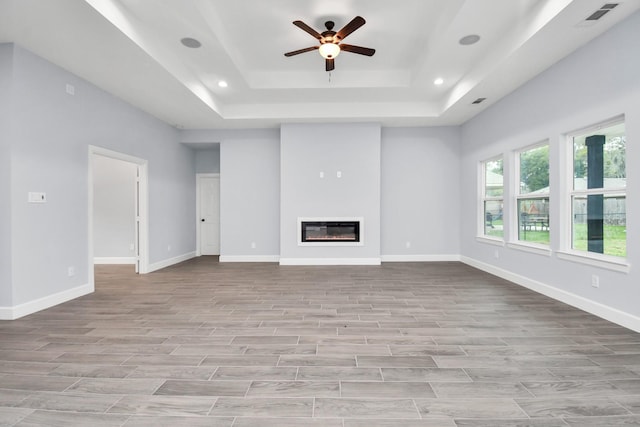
(247, 345)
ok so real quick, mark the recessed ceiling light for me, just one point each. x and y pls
(469, 40)
(223, 83)
(192, 43)
(438, 81)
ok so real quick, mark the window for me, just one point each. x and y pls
(598, 196)
(493, 190)
(532, 198)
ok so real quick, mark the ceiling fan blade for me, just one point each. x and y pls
(330, 65)
(308, 29)
(297, 52)
(355, 23)
(357, 49)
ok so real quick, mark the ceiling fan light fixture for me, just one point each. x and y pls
(330, 41)
(329, 50)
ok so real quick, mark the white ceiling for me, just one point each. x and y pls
(132, 49)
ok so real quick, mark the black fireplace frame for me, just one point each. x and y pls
(338, 231)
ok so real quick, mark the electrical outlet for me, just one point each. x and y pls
(595, 281)
(168, 248)
(253, 245)
(132, 247)
(408, 244)
(37, 197)
(71, 271)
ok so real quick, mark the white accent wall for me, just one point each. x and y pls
(351, 151)
(598, 82)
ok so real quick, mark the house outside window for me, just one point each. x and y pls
(492, 197)
(598, 195)
(532, 198)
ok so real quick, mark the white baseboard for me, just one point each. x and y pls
(330, 261)
(339, 261)
(249, 258)
(21, 310)
(420, 258)
(6, 313)
(114, 260)
(171, 261)
(608, 313)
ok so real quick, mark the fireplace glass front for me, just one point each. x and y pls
(330, 231)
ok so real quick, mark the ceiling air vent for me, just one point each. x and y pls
(601, 12)
(478, 101)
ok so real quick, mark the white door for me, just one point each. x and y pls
(209, 214)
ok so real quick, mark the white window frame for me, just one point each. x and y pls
(483, 198)
(514, 241)
(566, 251)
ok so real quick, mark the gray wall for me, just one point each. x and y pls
(50, 153)
(417, 170)
(114, 209)
(598, 82)
(420, 193)
(249, 190)
(308, 149)
(250, 195)
(208, 160)
(6, 64)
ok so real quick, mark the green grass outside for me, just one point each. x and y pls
(615, 237)
(535, 236)
(497, 231)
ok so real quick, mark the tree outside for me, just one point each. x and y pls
(615, 152)
(534, 169)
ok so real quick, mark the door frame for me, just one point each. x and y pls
(142, 208)
(199, 177)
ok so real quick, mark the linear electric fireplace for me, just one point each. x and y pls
(330, 231)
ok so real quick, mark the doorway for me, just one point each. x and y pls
(208, 213)
(114, 211)
(139, 238)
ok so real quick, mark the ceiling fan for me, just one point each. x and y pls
(330, 41)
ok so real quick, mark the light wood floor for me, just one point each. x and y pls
(406, 344)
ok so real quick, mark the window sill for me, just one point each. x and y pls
(602, 261)
(530, 247)
(490, 240)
